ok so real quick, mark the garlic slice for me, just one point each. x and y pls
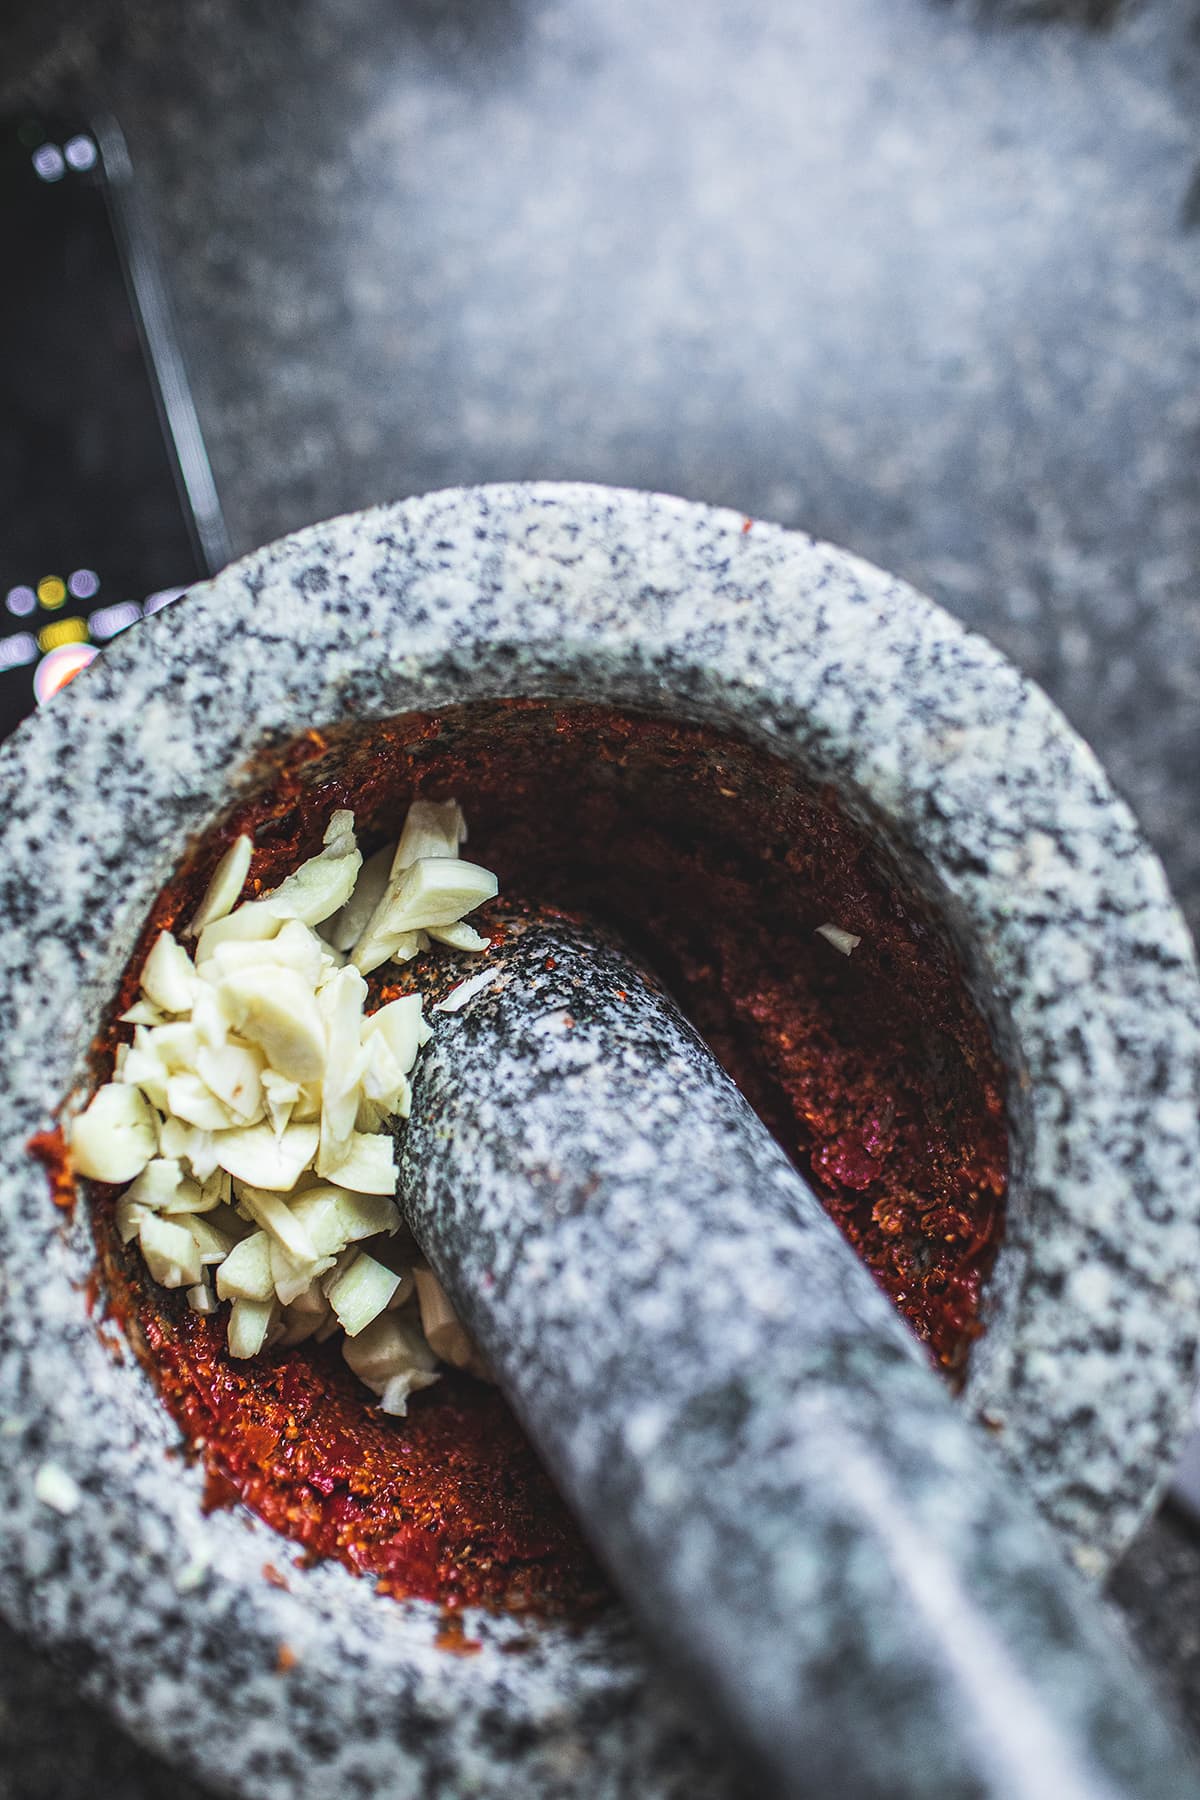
(264, 1158)
(445, 1333)
(253, 922)
(403, 1024)
(347, 925)
(143, 1012)
(276, 1217)
(249, 1323)
(431, 828)
(234, 1074)
(432, 891)
(246, 1272)
(158, 1186)
(170, 1251)
(322, 885)
(340, 1003)
(277, 1010)
(115, 1137)
(369, 1165)
(843, 941)
(459, 937)
(228, 880)
(212, 1244)
(168, 978)
(195, 1103)
(360, 1292)
(129, 1215)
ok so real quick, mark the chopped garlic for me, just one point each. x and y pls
(321, 886)
(368, 1166)
(273, 1213)
(256, 1154)
(228, 880)
(252, 922)
(384, 1348)
(291, 1278)
(458, 996)
(445, 1333)
(347, 925)
(431, 828)
(115, 1137)
(360, 1291)
(193, 1101)
(249, 1323)
(341, 1006)
(844, 941)
(171, 1253)
(129, 1216)
(437, 890)
(234, 1074)
(459, 937)
(158, 1185)
(401, 1022)
(246, 1272)
(168, 978)
(212, 1244)
(277, 1010)
(256, 1081)
(142, 1012)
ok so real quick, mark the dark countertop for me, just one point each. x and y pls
(920, 276)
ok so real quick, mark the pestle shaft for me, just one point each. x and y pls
(807, 1526)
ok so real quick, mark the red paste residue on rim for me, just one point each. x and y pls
(874, 1071)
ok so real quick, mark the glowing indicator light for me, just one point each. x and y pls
(83, 583)
(52, 591)
(110, 619)
(48, 162)
(60, 666)
(20, 601)
(80, 153)
(17, 650)
(164, 597)
(63, 631)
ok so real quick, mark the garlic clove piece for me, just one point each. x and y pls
(245, 1273)
(402, 1023)
(249, 1324)
(431, 828)
(170, 1252)
(369, 1165)
(263, 1158)
(115, 1137)
(347, 925)
(276, 1010)
(360, 1292)
(276, 1217)
(234, 1074)
(321, 886)
(168, 978)
(385, 1348)
(459, 937)
(253, 922)
(444, 1331)
(223, 890)
(438, 890)
(191, 1100)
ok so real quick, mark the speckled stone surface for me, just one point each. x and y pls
(1076, 951)
(792, 1504)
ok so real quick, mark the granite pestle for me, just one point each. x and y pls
(812, 1534)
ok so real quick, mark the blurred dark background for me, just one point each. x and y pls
(921, 276)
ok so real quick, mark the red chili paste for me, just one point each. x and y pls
(874, 1071)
